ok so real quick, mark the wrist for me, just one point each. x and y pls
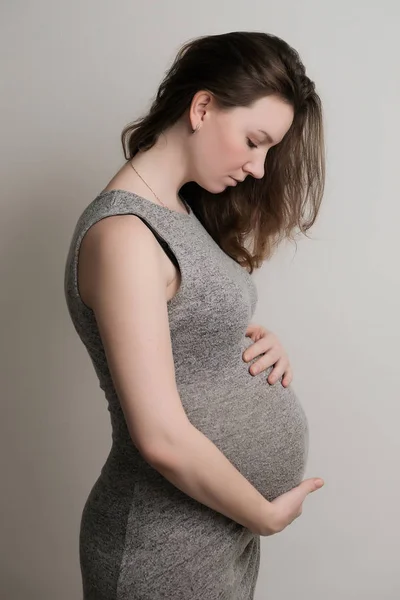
(267, 522)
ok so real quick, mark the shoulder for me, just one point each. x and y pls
(120, 233)
(114, 247)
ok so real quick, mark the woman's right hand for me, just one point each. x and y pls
(284, 509)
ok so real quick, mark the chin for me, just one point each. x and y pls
(213, 188)
(216, 189)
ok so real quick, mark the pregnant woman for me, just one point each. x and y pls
(206, 455)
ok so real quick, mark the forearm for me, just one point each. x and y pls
(199, 469)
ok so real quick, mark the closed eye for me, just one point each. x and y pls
(250, 143)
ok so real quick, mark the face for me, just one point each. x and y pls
(234, 144)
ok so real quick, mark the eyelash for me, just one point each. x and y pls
(250, 143)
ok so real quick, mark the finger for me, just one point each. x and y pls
(311, 485)
(267, 360)
(256, 349)
(255, 332)
(277, 372)
(288, 378)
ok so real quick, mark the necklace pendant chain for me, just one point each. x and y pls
(145, 182)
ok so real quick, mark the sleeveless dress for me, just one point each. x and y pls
(141, 538)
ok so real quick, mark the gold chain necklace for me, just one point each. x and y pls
(145, 182)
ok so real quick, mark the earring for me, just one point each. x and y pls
(197, 128)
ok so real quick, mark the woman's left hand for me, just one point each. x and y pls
(266, 343)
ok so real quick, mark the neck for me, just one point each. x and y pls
(165, 167)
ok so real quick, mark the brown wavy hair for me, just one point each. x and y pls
(250, 220)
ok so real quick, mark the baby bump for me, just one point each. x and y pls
(261, 428)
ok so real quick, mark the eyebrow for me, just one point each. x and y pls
(269, 138)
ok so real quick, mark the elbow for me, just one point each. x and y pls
(159, 456)
(168, 452)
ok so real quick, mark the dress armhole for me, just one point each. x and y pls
(162, 242)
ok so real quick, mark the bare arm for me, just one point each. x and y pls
(121, 273)
(195, 465)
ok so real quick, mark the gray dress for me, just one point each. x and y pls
(141, 538)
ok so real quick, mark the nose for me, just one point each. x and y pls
(256, 169)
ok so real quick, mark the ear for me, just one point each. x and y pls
(201, 104)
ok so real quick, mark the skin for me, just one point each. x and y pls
(228, 145)
(271, 352)
(222, 148)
